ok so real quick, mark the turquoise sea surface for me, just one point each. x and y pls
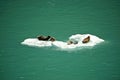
(22, 19)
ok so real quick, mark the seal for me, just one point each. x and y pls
(44, 38)
(86, 40)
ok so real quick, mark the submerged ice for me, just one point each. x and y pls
(94, 40)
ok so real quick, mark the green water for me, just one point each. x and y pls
(21, 19)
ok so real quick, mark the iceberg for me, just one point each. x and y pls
(94, 40)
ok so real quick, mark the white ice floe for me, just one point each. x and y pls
(94, 40)
(36, 42)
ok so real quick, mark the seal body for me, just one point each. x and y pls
(43, 38)
(86, 40)
(48, 38)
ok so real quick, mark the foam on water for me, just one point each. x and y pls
(94, 40)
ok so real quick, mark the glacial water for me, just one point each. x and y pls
(24, 19)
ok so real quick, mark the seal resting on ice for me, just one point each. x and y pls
(86, 40)
(44, 38)
(72, 42)
(52, 39)
(69, 42)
